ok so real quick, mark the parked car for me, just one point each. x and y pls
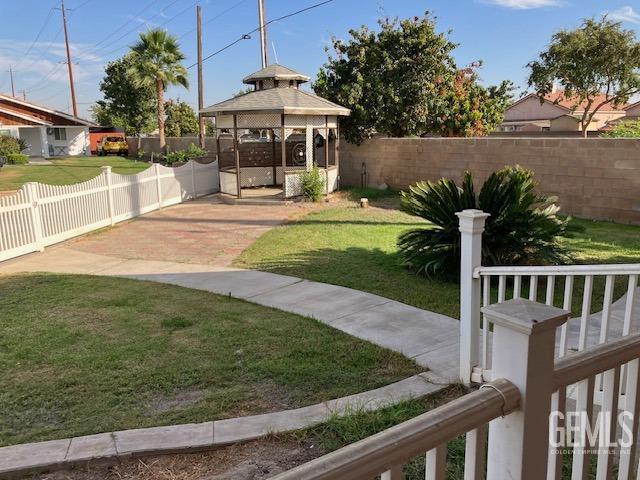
(113, 145)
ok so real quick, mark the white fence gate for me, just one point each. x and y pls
(39, 215)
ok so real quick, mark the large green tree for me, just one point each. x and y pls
(125, 104)
(181, 119)
(157, 62)
(402, 80)
(597, 65)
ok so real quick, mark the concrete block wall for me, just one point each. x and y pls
(593, 178)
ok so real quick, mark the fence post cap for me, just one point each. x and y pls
(525, 316)
(105, 168)
(472, 220)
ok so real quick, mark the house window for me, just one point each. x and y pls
(60, 133)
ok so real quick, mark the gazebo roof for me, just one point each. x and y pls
(276, 72)
(277, 100)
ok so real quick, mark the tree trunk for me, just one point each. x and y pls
(160, 100)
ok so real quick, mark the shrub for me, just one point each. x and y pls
(625, 129)
(523, 227)
(194, 151)
(313, 184)
(22, 144)
(177, 156)
(8, 145)
(17, 159)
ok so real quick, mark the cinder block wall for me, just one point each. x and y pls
(594, 178)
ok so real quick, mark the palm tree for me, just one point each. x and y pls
(157, 61)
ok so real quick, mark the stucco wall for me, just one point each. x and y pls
(593, 178)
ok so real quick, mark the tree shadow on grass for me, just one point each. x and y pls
(370, 270)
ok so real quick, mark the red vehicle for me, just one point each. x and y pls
(96, 134)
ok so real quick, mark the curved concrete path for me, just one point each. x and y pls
(429, 338)
(19, 460)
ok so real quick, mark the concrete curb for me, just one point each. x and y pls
(19, 460)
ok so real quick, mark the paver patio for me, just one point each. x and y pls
(204, 231)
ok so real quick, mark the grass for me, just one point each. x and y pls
(354, 247)
(83, 354)
(341, 431)
(65, 171)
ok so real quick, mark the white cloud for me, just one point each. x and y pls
(525, 4)
(625, 14)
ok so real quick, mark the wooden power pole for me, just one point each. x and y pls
(13, 91)
(263, 34)
(202, 131)
(69, 64)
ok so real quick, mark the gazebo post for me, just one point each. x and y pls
(236, 150)
(273, 155)
(337, 151)
(326, 153)
(284, 157)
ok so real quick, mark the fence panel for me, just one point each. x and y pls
(39, 215)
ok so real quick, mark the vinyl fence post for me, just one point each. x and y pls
(106, 171)
(156, 167)
(193, 178)
(36, 219)
(471, 228)
(523, 350)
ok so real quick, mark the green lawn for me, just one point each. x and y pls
(355, 247)
(65, 171)
(83, 354)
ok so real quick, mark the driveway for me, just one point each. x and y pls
(205, 231)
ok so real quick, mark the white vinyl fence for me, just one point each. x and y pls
(39, 215)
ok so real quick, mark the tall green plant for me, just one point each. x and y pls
(523, 227)
(157, 61)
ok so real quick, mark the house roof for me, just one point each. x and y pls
(276, 72)
(32, 118)
(631, 105)
(277, 100)
(558, 99)
(23, 116)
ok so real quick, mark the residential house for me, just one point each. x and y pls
(633, 111)
(46, 131)
(555, 113)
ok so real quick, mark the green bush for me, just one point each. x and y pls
(523, 227)
(625, 129)
(313, 184)
(17, 159)
(183, 156)
(8, 145)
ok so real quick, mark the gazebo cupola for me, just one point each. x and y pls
(270, 136)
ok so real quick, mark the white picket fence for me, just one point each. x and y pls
(39, 215)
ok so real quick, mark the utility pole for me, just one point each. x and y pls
(24, 94)
(200, 84)
(13, 92)
(263, 34)
(69, 64)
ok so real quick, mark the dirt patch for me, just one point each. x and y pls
(177, 401)
(251, 461)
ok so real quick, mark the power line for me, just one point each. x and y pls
(44, 25)
(136, 27)
(214, 17)
(247, 35)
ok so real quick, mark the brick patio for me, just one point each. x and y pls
(204, 231)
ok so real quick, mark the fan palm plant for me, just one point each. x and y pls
(157, 61)
(523, 227)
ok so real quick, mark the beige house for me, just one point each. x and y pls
(633, 111)
(555, 113)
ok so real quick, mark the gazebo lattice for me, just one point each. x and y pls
(251, 128)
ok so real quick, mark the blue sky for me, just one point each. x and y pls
(505, 34)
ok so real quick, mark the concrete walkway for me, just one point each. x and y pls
(18, 460)
(429, 338)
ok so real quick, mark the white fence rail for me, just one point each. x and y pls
(515, 425)
(39, 215)
(588, 291)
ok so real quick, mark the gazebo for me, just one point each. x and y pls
(267, 138)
